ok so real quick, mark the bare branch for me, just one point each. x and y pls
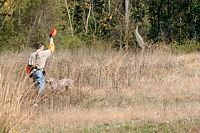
(86, 25)
(139, 38)
(66, 4)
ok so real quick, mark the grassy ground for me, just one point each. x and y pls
(115, 91)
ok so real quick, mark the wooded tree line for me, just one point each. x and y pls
(24, 22)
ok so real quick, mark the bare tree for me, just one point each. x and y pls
(70, 22)
(127, 13)
(126, 21)
(88, 16)
(109, 7)
(139, 39)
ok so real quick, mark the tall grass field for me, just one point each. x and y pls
(114, 91)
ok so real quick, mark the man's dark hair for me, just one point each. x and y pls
(38, 45)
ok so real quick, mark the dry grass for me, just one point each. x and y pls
(76, 117)
(110, 86)
(13, 92)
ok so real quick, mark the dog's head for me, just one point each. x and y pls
(49, 80)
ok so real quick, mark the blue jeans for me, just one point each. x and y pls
(39, 80)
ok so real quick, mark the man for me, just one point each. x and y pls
(37, 62)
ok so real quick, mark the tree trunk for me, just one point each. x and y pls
(127, 13)
(19, 13)
(88, 16)
(70, 22)
(126, 21)
(109, 7)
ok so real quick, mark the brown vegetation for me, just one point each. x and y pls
(110, 86)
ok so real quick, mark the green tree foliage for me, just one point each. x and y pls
(174, 21)
(24, 22)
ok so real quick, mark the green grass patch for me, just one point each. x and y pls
(175, 126)
(147, 127)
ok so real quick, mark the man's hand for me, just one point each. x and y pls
(51, 45)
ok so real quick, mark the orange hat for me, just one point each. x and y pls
(53, 32)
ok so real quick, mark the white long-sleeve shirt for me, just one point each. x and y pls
(39, 58)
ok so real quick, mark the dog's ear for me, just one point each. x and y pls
(49, 80)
